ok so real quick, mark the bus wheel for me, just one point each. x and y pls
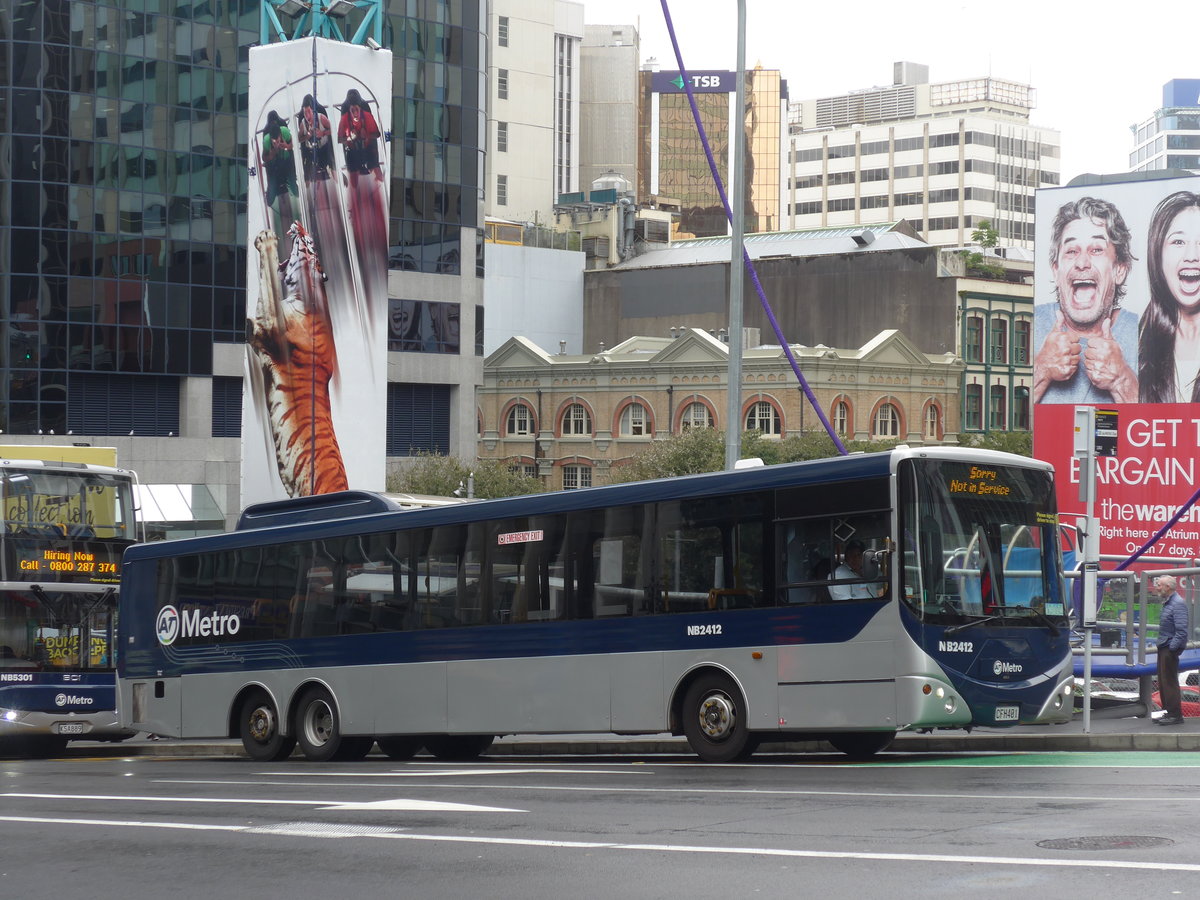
(714, 720)
(258, 727)
(862, 745)
(400, 746)
(458, 747)
(318, 726)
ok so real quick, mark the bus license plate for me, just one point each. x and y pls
(1008, 713)
(70, 728)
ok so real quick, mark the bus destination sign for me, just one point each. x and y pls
(981, 481)
(67, 565)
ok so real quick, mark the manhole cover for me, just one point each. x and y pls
(1110, 842)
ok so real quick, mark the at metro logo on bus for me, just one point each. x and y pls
(171, 624)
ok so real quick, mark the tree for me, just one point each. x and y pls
(700, 450)
(987, 237)
(441, 476)
(1019, 442)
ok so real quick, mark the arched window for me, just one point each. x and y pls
(841, 417)
(576, 420)
(695, 415)
(520, 420)
(575, 477)
(887, 421)
(635, 421)
(762, 416)
(933, 422)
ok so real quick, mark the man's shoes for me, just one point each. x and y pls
(1171, 720)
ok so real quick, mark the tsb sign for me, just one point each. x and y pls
(172, 624)
(705, 82)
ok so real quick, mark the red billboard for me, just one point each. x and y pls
(313, 418)
(1117, 325)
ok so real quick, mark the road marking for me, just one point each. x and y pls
(397, 804)
(302, 829)
(989, 796)
(457, 773)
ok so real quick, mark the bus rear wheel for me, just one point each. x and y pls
(714, 720)
(258, 727)
(319, 727)
(863, 745)
(400, 746)
(458, 747)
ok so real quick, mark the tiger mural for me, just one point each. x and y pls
(291, 338)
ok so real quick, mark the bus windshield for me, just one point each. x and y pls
(49, 630)
(980, 544)
(64, 525)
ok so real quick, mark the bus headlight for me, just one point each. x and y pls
(941, 692)
(10, 715)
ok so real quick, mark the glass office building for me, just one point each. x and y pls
(123, 180)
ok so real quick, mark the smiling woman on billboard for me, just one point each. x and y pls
(1169, 340)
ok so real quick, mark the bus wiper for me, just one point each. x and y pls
(965, 625)
(1040, 617)
(1004, 615)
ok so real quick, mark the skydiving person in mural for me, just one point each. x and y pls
(279, 165)
(1089, 354)
(316, 142)
(359, 135)
(1169, 336)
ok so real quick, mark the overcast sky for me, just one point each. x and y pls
(1097, 68)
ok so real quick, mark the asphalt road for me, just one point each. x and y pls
(907, 825)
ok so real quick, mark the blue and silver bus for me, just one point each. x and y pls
(844, 599)
(66, 525)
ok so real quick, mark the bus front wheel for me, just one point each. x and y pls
(714, 720)
(319, 727)
(258, 727)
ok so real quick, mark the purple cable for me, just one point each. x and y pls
(762, 297)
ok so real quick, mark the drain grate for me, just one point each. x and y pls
(1108, 842)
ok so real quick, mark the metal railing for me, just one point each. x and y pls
(1133, 630)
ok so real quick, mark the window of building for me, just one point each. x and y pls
(575, 477)
(635, 421)
(933, 423)
(998, 408)
(418, 419)
(973, 341)
(1021, 342)
(1021, 409)
(502, 31)
(520, 420)
(887, 421)
(763, 416)
(973, 408)
(999, 342)
(501, 137)
(502, 84)
(502, 190)
(576, 420)
(695, 415)
(841, 417)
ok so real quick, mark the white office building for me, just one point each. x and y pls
(944, 157)
(533, 107)
(1170, 139)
